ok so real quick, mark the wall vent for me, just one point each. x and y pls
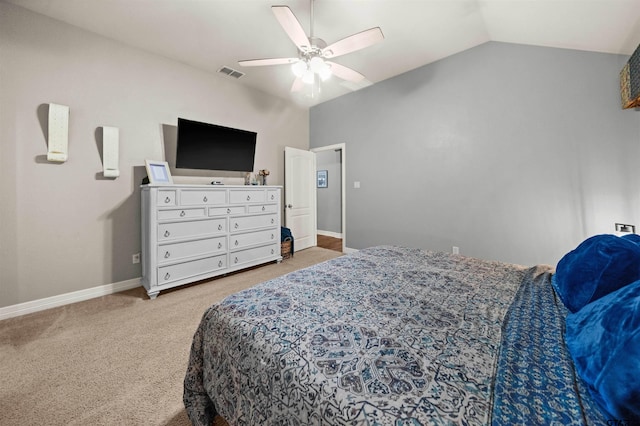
(231, 72)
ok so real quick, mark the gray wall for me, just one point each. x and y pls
(512, 153)
(63, 227)
(329, 199)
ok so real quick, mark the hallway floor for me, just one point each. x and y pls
(330, 243)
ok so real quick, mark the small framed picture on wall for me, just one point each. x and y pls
(322, 178)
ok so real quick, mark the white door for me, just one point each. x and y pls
(300, 196)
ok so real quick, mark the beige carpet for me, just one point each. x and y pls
(114, 360)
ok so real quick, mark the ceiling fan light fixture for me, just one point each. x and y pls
(325, 72)
(299, 68)
(316, 64)
(308, 77)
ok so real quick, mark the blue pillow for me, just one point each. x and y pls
(632, 237)
(604, 341)
(598, 266)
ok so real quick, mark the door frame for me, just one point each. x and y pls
(342, 147)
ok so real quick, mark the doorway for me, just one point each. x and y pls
(331, 196)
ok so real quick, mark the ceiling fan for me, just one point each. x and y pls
(311, 66)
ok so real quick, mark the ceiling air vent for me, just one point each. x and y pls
(231, 72)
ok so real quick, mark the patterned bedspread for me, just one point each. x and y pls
(384, 336)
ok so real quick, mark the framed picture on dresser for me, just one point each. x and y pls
(158, 172)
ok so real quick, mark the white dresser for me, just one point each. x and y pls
(193, 232)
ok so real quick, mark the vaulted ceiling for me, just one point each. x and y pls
(210, 34)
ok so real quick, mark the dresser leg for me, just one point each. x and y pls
(153, 294)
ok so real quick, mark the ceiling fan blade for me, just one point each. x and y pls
(345, 73)
(270, 61)
(291, 26)
(354, 42)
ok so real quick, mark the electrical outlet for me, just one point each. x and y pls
(135, 258)
(455, 250)
(621, 227)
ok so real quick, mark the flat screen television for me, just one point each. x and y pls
(207, 146)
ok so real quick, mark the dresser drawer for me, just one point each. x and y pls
(273, 195)
(203, 197)
(247, 223)
(167, 274)
(253, 238)
(247, 196)
(174, 230)
(263, 208)
(250, 255)
(171, 252)
(221, 211)
(180, 214)
(166, 198)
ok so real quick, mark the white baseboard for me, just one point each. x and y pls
(350, 250)
(67, 298)
(329, 233)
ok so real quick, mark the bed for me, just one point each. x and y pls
(392, 336)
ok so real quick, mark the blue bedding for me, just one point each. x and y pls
(536, 381)
(389, 336)
(600, 265)
(599, 282)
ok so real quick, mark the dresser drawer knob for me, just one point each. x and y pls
(220, 264)
(248, 197)
(272, 236)
(219, 227)
(167, 255)
(182, 213)
(167, 276)
(167, 233)
(236, 225)
(219, 245)
(235, 260)
(272, 251)
(205, 199)
(272, 220)
(263, 208)
(273, 196)
(167, 200)
(236, 243)
(228, 211)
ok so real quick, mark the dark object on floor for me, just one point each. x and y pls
(286, 242)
